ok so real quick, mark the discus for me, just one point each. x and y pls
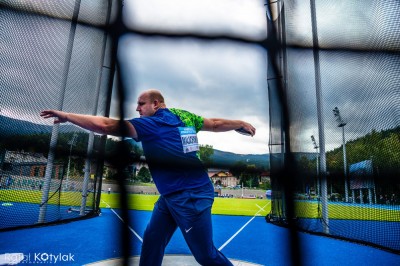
(243, 131)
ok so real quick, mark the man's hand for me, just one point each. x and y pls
(247, 128)
(97, 124)
(61, 117)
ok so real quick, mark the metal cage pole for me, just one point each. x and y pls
(90, 146)
(55, 130)
(109, 68)
(320, 112)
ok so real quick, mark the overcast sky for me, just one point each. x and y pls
(363, 84)
(212, 78)
(217, 79)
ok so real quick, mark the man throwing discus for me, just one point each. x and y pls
(169, 141)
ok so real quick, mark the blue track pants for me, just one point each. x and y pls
(190, 210)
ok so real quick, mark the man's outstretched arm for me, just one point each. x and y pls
(98, 124)
(222, 125)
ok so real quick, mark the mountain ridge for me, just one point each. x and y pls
(12, 126)
(220, 159)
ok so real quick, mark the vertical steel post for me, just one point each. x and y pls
(54, 133)
(320, 112)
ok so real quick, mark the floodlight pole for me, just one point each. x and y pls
(317, 158)
(341, 124)
(86, 177)
(72, 143)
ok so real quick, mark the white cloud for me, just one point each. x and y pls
(217, 78)
(237, 143)
(210, 79)
(245, 18)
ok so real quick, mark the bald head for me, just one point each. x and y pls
(154, 95)
(149, 102)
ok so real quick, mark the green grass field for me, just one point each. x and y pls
(227, 206)
(224, 206)
(308, 209)
(68, 198)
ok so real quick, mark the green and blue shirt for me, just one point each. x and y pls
(169, 140)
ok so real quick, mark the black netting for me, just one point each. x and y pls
(335, 127)
(333, 88)
(54, 55)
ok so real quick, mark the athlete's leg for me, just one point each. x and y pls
(192, 212)
(199, 238)
(157, 234)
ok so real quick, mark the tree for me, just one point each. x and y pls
(265, 185)
(238, 168)
(248, 173)
(144, 175)
(381, 147)
(205, 153)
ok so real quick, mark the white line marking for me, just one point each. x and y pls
(261, 208)
(130, 228)
(234, 235)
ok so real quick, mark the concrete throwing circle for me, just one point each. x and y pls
(169, 260)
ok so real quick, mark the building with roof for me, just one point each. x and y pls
(222, 178)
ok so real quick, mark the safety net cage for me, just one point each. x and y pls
(54, 55)
(333, 80)
(333, 88)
